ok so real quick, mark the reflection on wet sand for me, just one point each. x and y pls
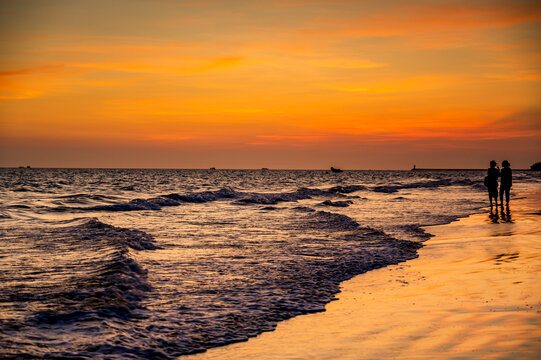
(503, 216)
(472, 293)
(506, 214)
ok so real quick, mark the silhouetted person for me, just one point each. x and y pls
(506, 182)
(491, 182)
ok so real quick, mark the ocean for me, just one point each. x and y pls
(154, 264)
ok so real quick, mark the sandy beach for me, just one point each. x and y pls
(473, 293)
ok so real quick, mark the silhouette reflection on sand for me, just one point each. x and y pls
(501, 216)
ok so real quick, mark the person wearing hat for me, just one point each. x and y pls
(491, 182)
(506, 181)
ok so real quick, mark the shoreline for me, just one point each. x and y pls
(452, 301)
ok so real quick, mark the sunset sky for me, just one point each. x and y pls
(275, 83)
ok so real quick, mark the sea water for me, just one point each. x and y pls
(122, 263)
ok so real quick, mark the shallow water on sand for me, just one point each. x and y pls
(473, 293)
(160, 263)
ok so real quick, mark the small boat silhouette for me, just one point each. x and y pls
(335, 170)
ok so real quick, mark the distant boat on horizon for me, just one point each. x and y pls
(336, 170)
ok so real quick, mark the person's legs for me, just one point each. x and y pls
(493, 194)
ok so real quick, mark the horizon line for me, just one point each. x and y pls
(262, 168)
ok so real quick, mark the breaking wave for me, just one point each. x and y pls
(244, 198)
(95, 279)
(88, 272)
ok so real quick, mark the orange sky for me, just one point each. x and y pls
(278, 84)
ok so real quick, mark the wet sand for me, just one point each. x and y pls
(473, 293)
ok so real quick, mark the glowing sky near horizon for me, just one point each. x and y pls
(279, 84)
